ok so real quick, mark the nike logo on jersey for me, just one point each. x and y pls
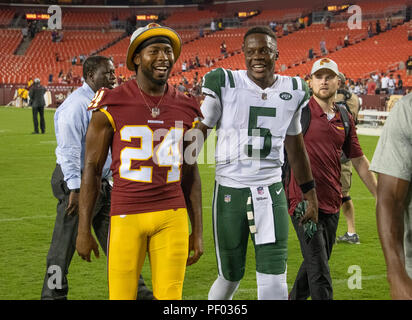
(279, 191)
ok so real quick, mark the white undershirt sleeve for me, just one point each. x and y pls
(211, 110)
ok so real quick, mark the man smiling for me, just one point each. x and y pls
(255, 113)
(325, 139)
(143, 122)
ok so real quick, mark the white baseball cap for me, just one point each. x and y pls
(325, 63)
(150, 31)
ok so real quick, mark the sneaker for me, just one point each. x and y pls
(353, 239)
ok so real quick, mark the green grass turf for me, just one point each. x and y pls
(27, 211)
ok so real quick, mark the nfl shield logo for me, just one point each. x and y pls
(260, 190)
(228, 198)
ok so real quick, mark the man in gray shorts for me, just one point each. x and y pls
(393, 163)
(351, 100)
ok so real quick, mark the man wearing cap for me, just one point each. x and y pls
(143, 122)
(324, 141)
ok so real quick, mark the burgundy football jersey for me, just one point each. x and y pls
(147, 151)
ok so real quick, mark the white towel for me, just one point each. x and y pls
(263, 213)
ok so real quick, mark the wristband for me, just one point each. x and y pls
(75, 190)
(306, 187)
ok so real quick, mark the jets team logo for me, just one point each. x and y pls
(285, 96)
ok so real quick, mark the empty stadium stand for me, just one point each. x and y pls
(86, 31)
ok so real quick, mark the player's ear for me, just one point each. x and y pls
(137, 59)
(90, 75)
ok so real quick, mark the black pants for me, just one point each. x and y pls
(40, 111)
(63, 243)
(313, 278)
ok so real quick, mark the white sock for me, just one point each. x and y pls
(350, 234)
(272, 286)
(223, 289)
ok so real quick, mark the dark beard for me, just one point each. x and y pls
(159, 82)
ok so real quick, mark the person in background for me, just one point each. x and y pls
(325, 140)
(37, 103)
(399, 85)
(352, 103)
(71, 124)
(409, 66)
(391, 85)
(371, 86)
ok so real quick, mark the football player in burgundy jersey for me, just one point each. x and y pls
(144, 122)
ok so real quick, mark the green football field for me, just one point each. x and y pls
(27, 212)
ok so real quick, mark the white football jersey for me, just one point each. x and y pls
(251, 124)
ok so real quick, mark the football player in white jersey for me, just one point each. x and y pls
(256, 113)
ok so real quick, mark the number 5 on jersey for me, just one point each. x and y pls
(166, 154)
(255, 131)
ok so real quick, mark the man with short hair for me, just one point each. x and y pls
(325, 139)
(392, 161)
(71, 121)
(256, 114)
(384, 83)
(352, 103)
(409, 66)
(37, 103)
(143, 122)
(391, 85)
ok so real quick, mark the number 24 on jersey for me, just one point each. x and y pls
(165, 154)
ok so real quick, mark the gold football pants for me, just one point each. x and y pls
(164, 235)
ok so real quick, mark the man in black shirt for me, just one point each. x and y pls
(409, 66)
(38, 103)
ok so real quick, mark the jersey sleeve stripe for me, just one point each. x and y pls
(109, 116)
(231, 80)
(306, 97)
(300, 84)
(294, 84)
(213, 81)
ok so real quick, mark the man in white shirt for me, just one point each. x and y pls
(384, 83)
